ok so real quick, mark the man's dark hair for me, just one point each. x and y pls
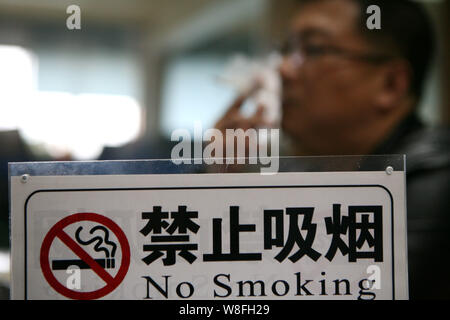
(406, 32)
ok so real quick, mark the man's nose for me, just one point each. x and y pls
(290, 66)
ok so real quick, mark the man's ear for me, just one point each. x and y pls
(395, 81)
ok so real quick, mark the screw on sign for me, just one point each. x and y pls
(85, 261)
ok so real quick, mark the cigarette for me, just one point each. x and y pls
(65, 264)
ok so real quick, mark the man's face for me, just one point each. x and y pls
(325, 94)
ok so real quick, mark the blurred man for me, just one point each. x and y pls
(348, 90)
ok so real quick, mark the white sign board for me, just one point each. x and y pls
(329, 235)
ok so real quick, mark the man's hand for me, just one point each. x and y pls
(234, 119)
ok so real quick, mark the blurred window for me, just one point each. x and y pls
(69, 105)
(192, 92)
(16, 78)
(193, 89)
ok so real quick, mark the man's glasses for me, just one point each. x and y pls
(299, 53)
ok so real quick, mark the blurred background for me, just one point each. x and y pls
(136, 70)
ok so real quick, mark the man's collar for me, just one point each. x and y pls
(394, 140)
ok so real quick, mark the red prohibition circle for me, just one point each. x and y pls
(111, 282)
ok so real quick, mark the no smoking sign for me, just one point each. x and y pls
(95, 240)
(294, 235)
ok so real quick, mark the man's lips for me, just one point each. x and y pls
(289, 96)
(288, 101)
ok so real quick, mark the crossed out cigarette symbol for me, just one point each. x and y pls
(98, 266)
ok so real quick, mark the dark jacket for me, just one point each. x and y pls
(428, 204)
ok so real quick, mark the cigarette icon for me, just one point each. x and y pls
(108, 263)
